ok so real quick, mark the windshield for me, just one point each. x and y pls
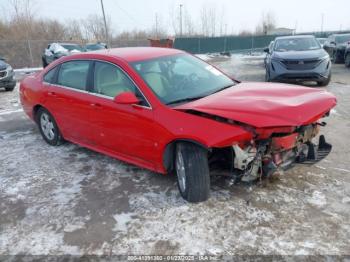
(181, 78)
(296, 44)
(73, 47)
(342, 38)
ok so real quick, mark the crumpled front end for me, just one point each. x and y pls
(262, 158)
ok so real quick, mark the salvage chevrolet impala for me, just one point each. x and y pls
(170, 112)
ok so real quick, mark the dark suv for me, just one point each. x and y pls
(336, 45)
(347, 55)
(7, 80)
(297, 59)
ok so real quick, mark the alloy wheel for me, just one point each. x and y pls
(47, 126)
(180, 171)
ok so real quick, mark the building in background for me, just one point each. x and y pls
(281, 31)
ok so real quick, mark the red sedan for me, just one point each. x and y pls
(170, 112)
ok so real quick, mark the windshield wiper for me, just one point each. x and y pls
(187, 99)
(222, 88)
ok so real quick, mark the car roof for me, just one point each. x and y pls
(294, 36)
(133, 54)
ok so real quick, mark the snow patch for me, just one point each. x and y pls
(317, 199)
(123, 220)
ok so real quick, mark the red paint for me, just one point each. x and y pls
(284, 142)
(265, 105)
(139, 135)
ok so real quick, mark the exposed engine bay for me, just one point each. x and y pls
(263, 157)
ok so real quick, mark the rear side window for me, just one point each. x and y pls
(74, 74)
(49, 77)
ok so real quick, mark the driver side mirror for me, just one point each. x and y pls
(267, 50)
(333, 43)
(126, 98)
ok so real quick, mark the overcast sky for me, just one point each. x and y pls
(245, 14)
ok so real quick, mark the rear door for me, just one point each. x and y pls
(68, 100)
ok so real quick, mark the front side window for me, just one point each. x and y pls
(49, 77)
(110, 81)
(177, 78)
(74, 74)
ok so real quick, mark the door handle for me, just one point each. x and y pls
(52, 94)
(95, 105)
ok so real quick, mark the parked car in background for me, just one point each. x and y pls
(170, 112)
(336, 45)
(297, 59)
(57, 50)
(322, 41)
(347, 55)
(95, 46)
(268, 51)
(7, 74)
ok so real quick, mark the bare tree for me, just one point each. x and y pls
(158, 30)
(223, 22)
(267, 22)
(208, 20)
(189, 25)
(205, 26)
(74, 31)
(173, 19)
(94, 29)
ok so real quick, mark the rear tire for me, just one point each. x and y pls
(347, 60)
(192, 170)
(48, 127)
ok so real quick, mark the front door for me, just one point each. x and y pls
(127, 130)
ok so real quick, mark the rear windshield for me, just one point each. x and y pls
(342, 38)
(296, 44)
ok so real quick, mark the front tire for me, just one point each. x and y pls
(9, 89)
(267, 76)
(48, 127)
(192, 171)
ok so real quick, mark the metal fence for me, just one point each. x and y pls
(28, 53)
(199, 45)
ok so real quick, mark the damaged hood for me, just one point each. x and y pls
(266, 104)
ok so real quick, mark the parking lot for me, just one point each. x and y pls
(70, 200)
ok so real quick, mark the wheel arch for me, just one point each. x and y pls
(169, 152)
(35, 111)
